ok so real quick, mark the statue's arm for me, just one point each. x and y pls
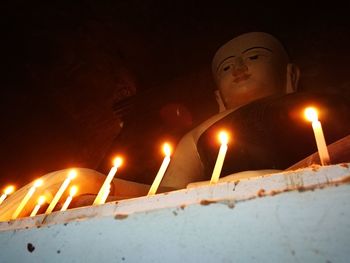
(185, 166)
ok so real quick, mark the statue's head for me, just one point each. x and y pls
(252, 66)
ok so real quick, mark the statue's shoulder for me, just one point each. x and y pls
(201, 128)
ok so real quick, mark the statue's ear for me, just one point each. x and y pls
(219, 101)
(293, 74)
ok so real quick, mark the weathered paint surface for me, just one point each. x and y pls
(222, 223)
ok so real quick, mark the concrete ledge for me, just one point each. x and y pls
(298, 180)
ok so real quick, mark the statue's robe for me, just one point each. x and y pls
(272, 133)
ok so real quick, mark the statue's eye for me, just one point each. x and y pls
(226, 68)
(255, 57)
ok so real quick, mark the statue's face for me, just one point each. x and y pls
(250, 67)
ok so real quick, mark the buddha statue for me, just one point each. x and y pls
(258, 102)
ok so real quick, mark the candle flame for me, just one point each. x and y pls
(72, 174)
(167, 149)
(118, 161)
(9, 190)
(73, 190)
(38, 183)
(223, 137)
(41, 200)
(311, 114)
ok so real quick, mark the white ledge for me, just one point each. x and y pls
(302, 179)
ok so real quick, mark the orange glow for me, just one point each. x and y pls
(38, 183)
(167, 149)
(223, 137)
(72, 174)
(311, 114)
(9, 190)
(41, 200)
(73, 190)
(118, 161)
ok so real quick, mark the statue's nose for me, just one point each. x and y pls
(239, 67)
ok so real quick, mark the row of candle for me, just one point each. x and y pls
(310, 114)
(100, 198)
(41, 200)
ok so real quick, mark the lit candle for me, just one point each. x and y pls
(106, 193)
(116, 164)
(223, 138)
(72, 192)
(71, 175)
(8, 190)
(312, 115)
(41, 200)
(26, 198)
(162, 169)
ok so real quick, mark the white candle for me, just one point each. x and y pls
(162, 169)
(8, 190)
(312, 115)
(105, 195)
(26, 198)
(41, 200)
(72, 192)
(71, 175)
(223, 138)
(116, 164)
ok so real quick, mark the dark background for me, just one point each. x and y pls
(83, 80)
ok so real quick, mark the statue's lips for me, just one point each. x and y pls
(241, 78)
